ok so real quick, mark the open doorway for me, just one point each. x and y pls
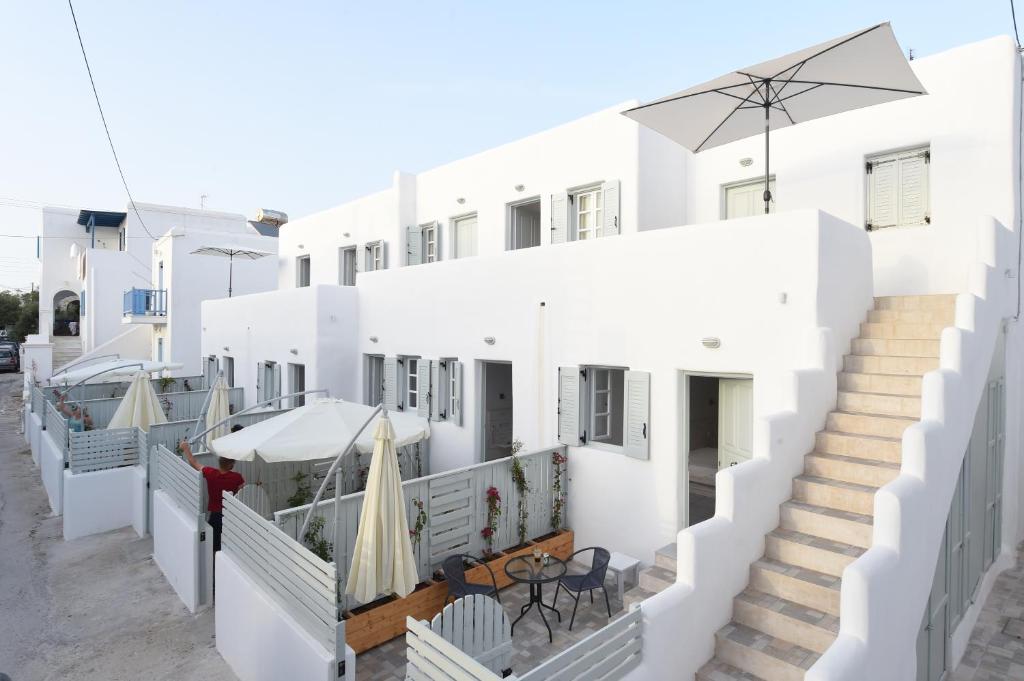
(719, 422)
(497, 409)
(524, 224)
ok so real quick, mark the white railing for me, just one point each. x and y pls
(97, 450)
(38, 401)
(179, 480)
(57, 427)
(177, 406)
(300, 582)
(94, 391)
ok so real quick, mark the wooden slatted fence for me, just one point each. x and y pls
(38, 401)
(57, 426)
(303, 584)
(93, 391)
(182, 483)
(97, 450)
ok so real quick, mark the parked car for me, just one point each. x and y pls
(8, 359)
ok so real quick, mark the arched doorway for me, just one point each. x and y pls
(66, 309)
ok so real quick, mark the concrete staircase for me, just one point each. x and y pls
(66, 349)
(789, 613)
(655, 578)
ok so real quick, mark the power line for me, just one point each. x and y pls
(103, 118)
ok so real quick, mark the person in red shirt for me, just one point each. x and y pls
(218, 480)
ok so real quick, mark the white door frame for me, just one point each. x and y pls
(683, 476)
(481, 407)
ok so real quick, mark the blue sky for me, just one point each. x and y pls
(299, 106)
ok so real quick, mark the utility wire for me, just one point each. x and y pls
(103, 118)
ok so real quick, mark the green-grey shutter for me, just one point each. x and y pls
(423, 388)
(391, 383)
(559, 218)
(277, 384)
(383, 255)
(456, 402)
(610, 190)
(413, 245)
(438, 390)
(636, 431)
(261, 388)
(569, 405)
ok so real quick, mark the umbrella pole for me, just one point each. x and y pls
(767, 191)
(231, 270)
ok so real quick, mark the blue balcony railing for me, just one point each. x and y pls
(145, 302)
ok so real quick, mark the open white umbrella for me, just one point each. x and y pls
(218, 410)
(320, 429)
(231, 253)
(111, 370)
(382, 560)
(139, 406)
(857, 70)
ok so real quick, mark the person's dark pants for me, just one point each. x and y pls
(216, 521)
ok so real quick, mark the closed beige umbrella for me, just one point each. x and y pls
(218, 410)
(382, 561)
(139, 406)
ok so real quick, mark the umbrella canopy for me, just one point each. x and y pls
(382, 560)
(218, 410)
(231, 253)
(857, 70)
(139, 406)
(317, 430)
(114, 370)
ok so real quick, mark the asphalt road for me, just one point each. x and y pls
(96, 608)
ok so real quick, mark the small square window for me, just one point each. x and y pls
(464, 236)
(412, 385)
(605, 404)
(302, 271)
(429, 236)
(589, 213)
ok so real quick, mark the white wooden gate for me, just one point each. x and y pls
(478, 626)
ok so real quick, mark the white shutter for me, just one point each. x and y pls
(611, 207)
(569, 405)
(636, 430)
(882, 194)
(261, 389)
(438, 390)
(559, 218)
(383, 255)
(277, 383)
(913, 203)
(413, 245)
(456, 402)
(391, 383)
(423, 388)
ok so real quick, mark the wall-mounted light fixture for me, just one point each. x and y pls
(294, 351)
(460, 200)
(520, 187)
(746, 162)
(711, 342)
(489, 340)
(227, 349)
(373, 339)
(783, 297)
(346, 234)
(302, 246)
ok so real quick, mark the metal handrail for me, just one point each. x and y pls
(196, 438)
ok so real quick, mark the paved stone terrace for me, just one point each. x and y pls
(530, 641)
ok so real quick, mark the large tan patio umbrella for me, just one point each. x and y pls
(140, 406)
(218, 410)
(382, 560)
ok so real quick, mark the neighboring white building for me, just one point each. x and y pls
(649, 289)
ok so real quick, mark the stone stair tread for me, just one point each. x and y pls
(716, 670)
(817, 542)
(812, 577)
(890, 417)
(855, 461)
(659, 572)
(668, 550)
(832, 482)
(877, 394)
(833, 512)
(797, 611)
(880, 438)
(766, 644)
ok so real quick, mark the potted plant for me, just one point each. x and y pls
(522, 489)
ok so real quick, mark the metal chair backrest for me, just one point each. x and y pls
(478, 626)
(455, 573)
(599, 565)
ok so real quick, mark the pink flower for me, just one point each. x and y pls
(487, 532)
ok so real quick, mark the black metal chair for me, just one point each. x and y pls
(454, 568)
(575, 585)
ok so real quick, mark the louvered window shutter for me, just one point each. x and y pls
(277, 383)
(913, 203)
(636, 429)
(559, 218)
(423, 388)
(611, 208)
(391, 383)
(569, 405)
(882, 187)
(413, 245)
(383, 255)
(438, 390)
(261, 388)
(455, 410)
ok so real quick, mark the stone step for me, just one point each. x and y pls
(807, 587)
(656, 579)
(870, 447)
(885, 384)
(634, 595)
(828, 523)
(867, 424)
(786, 620)
(900, 330)
(944, 317)
(716, 670)
(929, 302)
(665, 557)
(899, 366)
(761, 654)
(879, 403)
(887, 347)
(810, 551)
(843, 496)
(850, 469)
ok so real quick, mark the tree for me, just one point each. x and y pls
(28, 317)
(10, 309)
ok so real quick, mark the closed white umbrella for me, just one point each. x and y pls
(382, 561)
(139, 407)
(318, 430)
(218, 410)
(857, 70)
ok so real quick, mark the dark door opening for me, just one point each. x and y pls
(497, 410)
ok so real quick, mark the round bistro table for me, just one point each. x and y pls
(525, 570)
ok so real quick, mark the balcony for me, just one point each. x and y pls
(145, 306)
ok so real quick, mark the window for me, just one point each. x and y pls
(229, 370)
(268, 381)
(454, 380)
(297, 383)
(523, 225)
(429, 240)
(897, 189)
(464, 236)
(347, 266)
(589, 214)
(302, 271)
(374, 380)
(411, 383)
(605, 407)
(586, 212)
(605, 403)
(746, 199)
(375, 256)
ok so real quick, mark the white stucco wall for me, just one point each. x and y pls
(140, 500)
(35, 434)
(177, 549)
(98, 502)
(108, 275)
(51, 463)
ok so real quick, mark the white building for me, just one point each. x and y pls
(661, 328)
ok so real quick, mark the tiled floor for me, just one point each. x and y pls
(996, 649)
(530, 641)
